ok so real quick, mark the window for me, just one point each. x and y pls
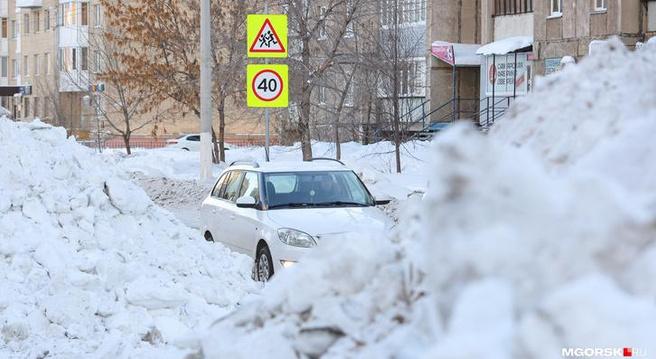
(84, 58)
(27, 107)
(412, 77)
(26, 66)
(316, 189)
(407, 11)
(26, 24)
(3, 66)
(47, 56)
(37, 65)
(36, 107)
(250, 186)
(37, 22)
(97, 15)
(322, 18)
(97, 61)
(350, 96)
(350, 31)
(232, 186)
(14, 29)
(512, 7)
(84, 18)
(194, 138)
(67, 14)
(4, 27)
(74, 59)
(15, 66)
(220, 184)
(46, 20)
(322, 95)
(600, 5)
(556, 7)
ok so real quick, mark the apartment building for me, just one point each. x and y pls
(561, 28)
(45, 53)
(516, 40)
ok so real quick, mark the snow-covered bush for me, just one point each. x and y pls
(537, 237)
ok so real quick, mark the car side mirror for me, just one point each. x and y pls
(382, 200)
(246, 202)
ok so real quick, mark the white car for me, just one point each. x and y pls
(277, 212)
(190, 142)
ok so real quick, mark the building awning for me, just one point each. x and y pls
(506, 46)
(460, 55)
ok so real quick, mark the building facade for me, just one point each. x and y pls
(518, 40)
(43, 48)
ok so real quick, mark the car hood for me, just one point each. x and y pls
(327, 222)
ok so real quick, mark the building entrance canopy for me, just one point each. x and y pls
(507, 46)
(460, 55)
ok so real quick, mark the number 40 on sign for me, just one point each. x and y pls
(267, 86)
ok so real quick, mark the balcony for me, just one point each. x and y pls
(29, 4)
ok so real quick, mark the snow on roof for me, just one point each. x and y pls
(465, 54)
(506, 46)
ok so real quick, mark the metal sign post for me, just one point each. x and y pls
(267, 85)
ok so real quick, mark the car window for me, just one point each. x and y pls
(250, 186)
(194, 138)
(282, 183)
(315, 189)
(220, 184)
(232, 186)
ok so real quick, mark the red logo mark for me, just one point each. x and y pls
(628, 352)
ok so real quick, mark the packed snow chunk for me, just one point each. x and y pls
(89, 266)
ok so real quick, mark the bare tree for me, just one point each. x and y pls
(317, 33)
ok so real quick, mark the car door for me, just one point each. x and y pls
(211, 206)
(193, 142)
(247, 220)
(219, 208)
(227, 226)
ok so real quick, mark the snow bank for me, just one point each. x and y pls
(89, 267)
(537, 237)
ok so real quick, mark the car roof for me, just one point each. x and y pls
(290, 166)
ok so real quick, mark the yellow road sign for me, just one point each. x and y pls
(267, 36)
(267, 86)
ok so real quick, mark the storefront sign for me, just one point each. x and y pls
(507, 75)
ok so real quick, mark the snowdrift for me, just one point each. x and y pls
(89, 267)
(537, 237)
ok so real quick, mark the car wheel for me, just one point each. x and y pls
(208, 237)
(263, 265)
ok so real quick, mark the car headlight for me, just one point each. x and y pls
(296, 238)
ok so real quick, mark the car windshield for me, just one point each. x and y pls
(316, 189)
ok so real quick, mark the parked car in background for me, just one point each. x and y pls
(189, 142)
(276, 212)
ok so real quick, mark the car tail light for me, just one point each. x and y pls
(172, 142)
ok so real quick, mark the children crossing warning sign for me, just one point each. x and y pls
(267, 85)
(267, 36)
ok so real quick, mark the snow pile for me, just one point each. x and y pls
(537, 237)
(89, 267)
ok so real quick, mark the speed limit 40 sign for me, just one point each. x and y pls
(267, 86)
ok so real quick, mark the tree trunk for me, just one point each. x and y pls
(215, 149)
(305, 104)
(126, 140)
(221, 109)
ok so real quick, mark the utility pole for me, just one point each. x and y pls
(205, 93)
(267, 115)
